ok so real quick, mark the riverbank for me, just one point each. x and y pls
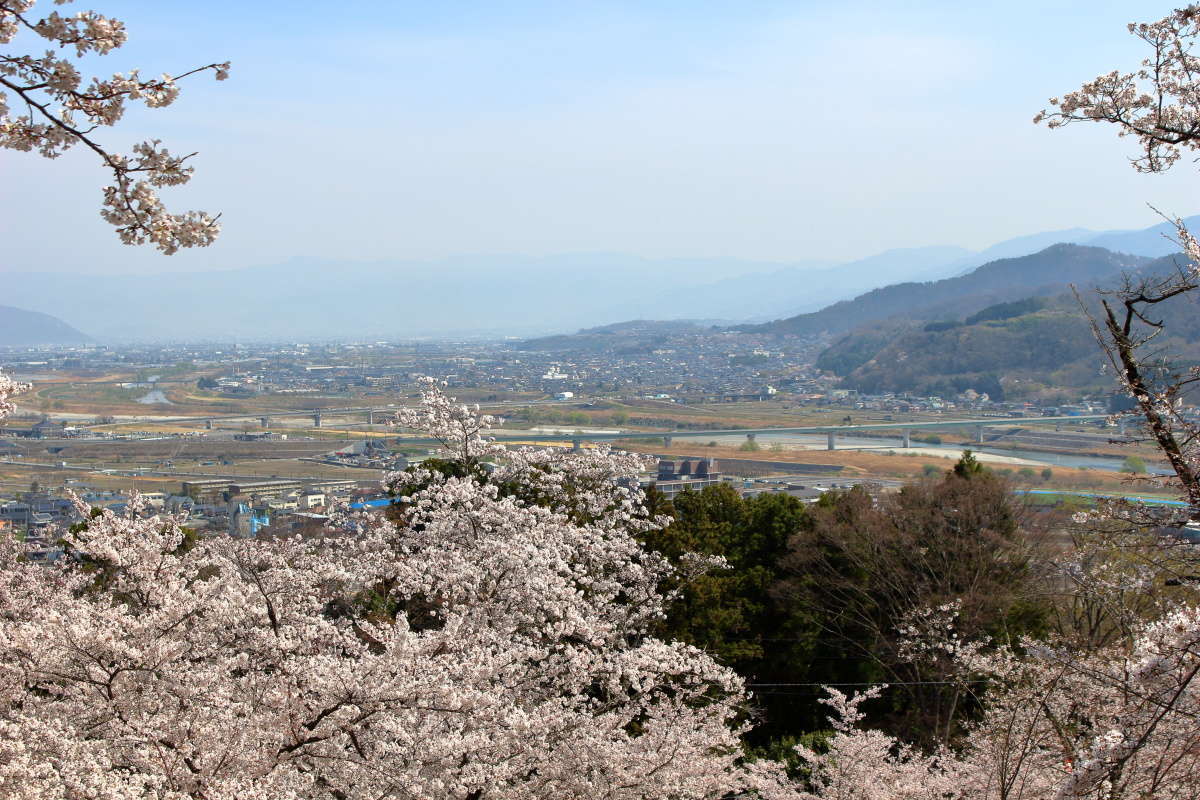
(900, 464)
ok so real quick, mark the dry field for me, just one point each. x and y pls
(862, 464)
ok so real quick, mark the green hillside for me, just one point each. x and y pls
(1026, 356)
(1038, 349)
(1046, 273)
(634, 336)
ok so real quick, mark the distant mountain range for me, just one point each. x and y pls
(305, 299)
(1009, 327)
(493, 296)
(314, 298)
(20, 328)
(794, 290)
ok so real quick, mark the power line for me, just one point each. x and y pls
(888, 684)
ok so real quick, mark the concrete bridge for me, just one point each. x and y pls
(976, 426)
(264, 419)
(831, 432)
(318, 415)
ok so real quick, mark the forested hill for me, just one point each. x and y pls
(1023, 356)
(20, 328)
(635, 336)
(1037, 348)
(1046, 273)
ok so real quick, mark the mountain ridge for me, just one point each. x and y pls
(996, 281)
(326, 298)
(1037, 348)
(22, 328)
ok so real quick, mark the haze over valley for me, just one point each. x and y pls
(306, 298)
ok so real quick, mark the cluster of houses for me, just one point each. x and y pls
(369, 454)
(238, 507)
(44, 428)
(689, 362)
(969, 401)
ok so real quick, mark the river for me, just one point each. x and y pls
(155, 397)
(996, 455)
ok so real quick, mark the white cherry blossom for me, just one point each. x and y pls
(46, 107)
(477, 642)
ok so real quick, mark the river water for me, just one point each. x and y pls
(1000, 455)
(155, 397)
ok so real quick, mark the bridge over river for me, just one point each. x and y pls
(831, 432)
(977, 426)
(317, 415)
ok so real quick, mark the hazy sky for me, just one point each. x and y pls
(765, 130)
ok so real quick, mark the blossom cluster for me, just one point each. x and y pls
(1118, 722)
(1156, 104)
(59, 110)
(480, 644)
(8, 388)
(491, 636)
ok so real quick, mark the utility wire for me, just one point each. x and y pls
(863, 683)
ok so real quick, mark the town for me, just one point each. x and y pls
(261, 439)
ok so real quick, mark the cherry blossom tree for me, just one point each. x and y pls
(47, 105)
(8, 387)
(1158, 105)
(1116, 723)
(471, 644)
(1109, 710)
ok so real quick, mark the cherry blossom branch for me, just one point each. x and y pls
(49, 87)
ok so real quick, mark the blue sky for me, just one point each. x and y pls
(759, 130)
